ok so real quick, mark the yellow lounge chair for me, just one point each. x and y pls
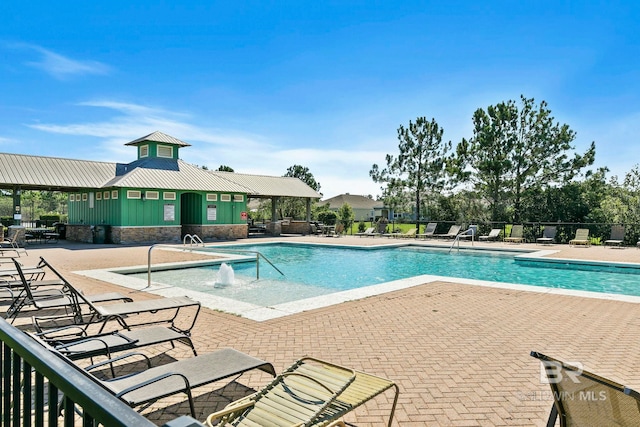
(582, 237)
(311, 392)
(517, 234)
(411, 233)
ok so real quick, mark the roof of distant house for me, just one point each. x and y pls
(353, 200)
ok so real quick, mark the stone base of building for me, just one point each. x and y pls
(128, 235)
(122, 235)
(79, 233)
(296, 227)
(210, 232)
(174, 234)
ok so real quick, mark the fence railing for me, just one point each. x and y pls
(40, 390)
(598, 231)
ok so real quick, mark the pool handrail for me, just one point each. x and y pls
(194, 239)
(469, 232)
(258, 256)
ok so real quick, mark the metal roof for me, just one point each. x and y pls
(267, 186)
(159, 137)
(51, 173)
(170, 174)
(36, 172)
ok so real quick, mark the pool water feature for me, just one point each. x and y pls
(314, 270)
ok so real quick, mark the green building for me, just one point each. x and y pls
(156, 198)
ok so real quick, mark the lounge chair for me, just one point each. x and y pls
(492, 236)
(371, 231)
(548, 235)
(517, 234)
(68, 297)
(11, 245)
(617, 236)
(173, 378)
(582, 238)
(123, 313)
(453, 232)
(310, 393)
(76, 344)
(469, 233)
(428, 231)
(585, 399)
(409, 234)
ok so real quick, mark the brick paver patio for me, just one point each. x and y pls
(459, 353)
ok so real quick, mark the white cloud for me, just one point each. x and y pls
(60, 66)
(337, 170)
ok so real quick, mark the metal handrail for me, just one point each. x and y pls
(258, 256)
(194, 239)
(457, 239)
(25, 396)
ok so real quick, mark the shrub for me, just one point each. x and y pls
(327, 217)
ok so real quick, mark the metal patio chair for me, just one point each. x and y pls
(617, 236)
(548, 235)
(311, 392)
(517, 234)
(585, 399)
(182, 376)
(67, 297)
(581, 238)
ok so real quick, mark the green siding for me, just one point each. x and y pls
(145, 211)
(188, 208)
(102, 212)
(191, 209)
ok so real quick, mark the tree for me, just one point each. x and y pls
(303, 174)
(295, 207)
(346, 216)
(225, 168)
(419, 167)
(516, 153)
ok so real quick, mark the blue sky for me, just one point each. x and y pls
(263, 85)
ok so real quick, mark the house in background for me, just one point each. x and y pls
(364, 208)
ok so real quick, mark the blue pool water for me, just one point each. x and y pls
(313, 270)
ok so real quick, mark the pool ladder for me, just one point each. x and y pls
(194, 240)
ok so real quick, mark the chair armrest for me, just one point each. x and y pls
(63, 348)
(238, 405)
(187, 386)
(81, 332)
(117, 359)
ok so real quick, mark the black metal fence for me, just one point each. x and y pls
(35, 385)
(598, 232)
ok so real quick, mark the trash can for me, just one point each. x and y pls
(99, 234)
(473, 230)
(61, 229)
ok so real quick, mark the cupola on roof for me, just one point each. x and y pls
(159, 137)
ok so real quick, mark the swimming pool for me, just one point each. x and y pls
(314, 270)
